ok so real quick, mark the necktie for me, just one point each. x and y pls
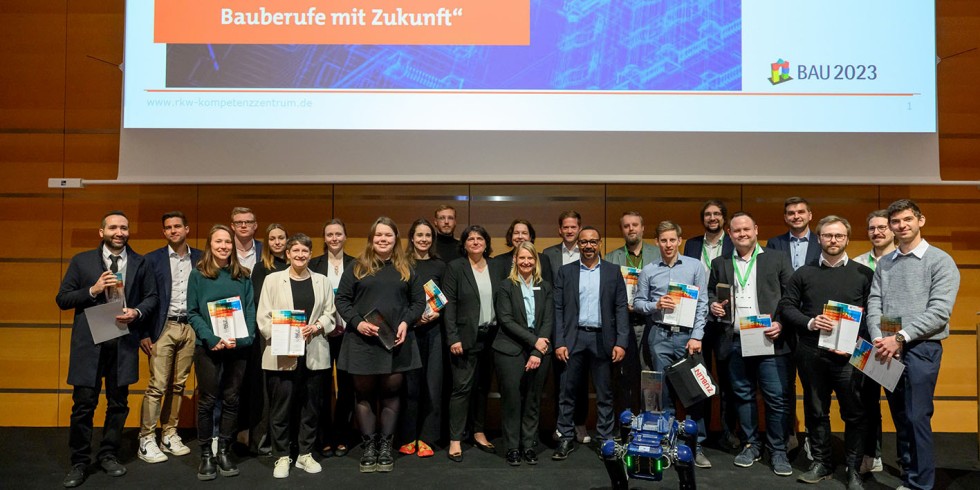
(114, 268)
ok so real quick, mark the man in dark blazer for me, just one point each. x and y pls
(799, 242)
(169, 342)
(88, 277)
(712, 244)
(592, 332)
(758, 279)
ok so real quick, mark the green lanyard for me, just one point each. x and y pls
(743, 279)
(871, 262)
(704, 251)
(630, 261)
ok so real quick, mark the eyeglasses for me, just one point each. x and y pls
(830, 236)
(878, 228)
(588, 242)
(239, 224)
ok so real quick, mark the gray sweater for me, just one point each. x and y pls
(919, 287)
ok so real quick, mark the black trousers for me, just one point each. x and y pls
(823, 372)
(84, 401)
(219, 373)
(626, 377)
(336, 422)
(467, 373)
(520, 398)
(717, 361)
(421, 414)
(254, 404)
(587, 357)
(295, 398)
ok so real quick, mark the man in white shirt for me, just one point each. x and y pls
(246, 246)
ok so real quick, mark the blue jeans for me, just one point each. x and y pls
(772, 375)
(666, 348)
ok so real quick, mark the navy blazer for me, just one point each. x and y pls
(781, 242)
(613, 310)
(692, 247)
(773, 271)
(159, 260)
(141, 293)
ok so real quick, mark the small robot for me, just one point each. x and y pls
(651, 443)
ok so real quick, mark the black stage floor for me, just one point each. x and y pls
(38, 458)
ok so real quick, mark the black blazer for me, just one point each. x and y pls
(773, 271)
(612, 307)
(159, 260)
(321, 264)
(462, 312)
(692, 247)
(141, 293)
(514, 337)
(781, 242)
(506, 260)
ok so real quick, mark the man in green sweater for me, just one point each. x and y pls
(916, 286)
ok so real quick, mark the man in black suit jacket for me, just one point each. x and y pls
(90, 274)
(169, 342)
(591, 332)
(799, 242)
(714, 217)
(758, 279)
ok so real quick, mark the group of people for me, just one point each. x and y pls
(401, 359)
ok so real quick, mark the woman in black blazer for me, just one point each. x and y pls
(525, 313)
(469, 286)
(335, 428)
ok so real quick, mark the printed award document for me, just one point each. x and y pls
(754, 340)
(227, 318)
(686, 298)
(845, 333)
(287, 333)
(434, 299)
(102, 321)
(631, 276)
(885, 373)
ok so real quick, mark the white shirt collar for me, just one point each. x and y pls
(841, 263)
(918, 251)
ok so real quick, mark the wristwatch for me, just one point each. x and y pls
(901, 341)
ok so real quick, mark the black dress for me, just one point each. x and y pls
(397, 301)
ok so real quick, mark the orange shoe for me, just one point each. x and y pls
(408, 448)
(424, 450)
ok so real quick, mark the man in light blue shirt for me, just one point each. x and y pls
(670, 343)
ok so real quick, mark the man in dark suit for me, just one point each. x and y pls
(713, 244)
(90, 278)
(169, 342)
(799, 242)
(591, 333)
(758, 279)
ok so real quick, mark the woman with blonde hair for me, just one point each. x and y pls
(379, 296)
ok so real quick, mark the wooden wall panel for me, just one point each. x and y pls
(958, 371)
(30, 410)
(95, 30)
(32, 54)
(765, 203)
(28, 160)
(29, 358)
(29, 299)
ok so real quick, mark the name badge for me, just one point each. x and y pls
(536, 288)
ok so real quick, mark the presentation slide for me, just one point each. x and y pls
(761, 66)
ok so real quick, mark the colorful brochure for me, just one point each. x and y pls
(845, 333)
(885, 373)
(227, 318)
(890, 325)
(754, 341)
(631, 276)
(686, 298)
(287, 333)
(434, 299)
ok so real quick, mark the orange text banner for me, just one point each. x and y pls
(445, 22)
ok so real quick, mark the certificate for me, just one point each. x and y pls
(886, 373)
(847, 319)
(102, 321)
(287, 333)
(754, 341)
(686, 301)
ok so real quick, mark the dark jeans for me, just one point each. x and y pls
(583, 359)
(421, 415)
(912, 408)
(667, 348)
(821, 373)
(86, 398)
(295, 398)
(218, 373)
(336, 423)
(772, 376)
(871, 398)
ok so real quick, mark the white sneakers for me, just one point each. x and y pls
(149, 451)
(173, 445)
(282, 467)
(306, 462)
(870, 465)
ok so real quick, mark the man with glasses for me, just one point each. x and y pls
(592, 330)
(915, 285)
(823, 371)
(882, 243)
(248, 248)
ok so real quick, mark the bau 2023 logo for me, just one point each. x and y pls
(780, 72)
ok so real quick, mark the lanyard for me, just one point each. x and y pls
(871, 262)
(744, 279)
(630, 261)
(704, 251)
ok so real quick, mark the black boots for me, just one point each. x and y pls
(385, 461)
(207, 471)
(226, 466)
(369, 460)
